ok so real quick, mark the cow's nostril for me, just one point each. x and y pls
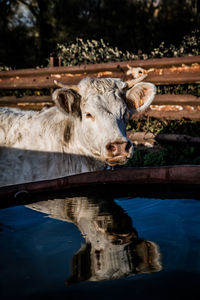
(118, 148)
(111, 147)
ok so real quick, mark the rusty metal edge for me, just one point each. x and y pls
(183, 174)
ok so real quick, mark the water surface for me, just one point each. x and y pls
(96, 247)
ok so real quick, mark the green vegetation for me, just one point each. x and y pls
(164, 153)
(156, 126)
(188, 46)
(163, 156)
(94, 51)
(191, 89)
(90, 52)
(31, 29)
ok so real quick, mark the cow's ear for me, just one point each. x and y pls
(140, 96)
(68, 101)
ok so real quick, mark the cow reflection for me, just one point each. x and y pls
(113, 248)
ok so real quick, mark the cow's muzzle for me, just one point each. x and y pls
(120, 239)
(118, 152)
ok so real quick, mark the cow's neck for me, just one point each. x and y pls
(65, 137)
(80, 150)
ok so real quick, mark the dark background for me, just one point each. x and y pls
(31, 29)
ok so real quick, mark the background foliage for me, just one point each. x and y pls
(93, 51)
(164, 153)
(31, 29)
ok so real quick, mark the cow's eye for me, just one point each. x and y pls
(89, 116)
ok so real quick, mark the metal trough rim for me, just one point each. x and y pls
(180, 175)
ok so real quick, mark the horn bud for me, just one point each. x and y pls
(138, 74)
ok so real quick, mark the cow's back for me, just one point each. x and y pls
(26, 147)
(32, 147)
(14, 124)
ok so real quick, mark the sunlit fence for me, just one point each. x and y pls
(32, 88)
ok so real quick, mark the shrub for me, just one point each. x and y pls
(92, 51)
(162, 156)
(4, 68)
(190, 45)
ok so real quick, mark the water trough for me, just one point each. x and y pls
(179, 179)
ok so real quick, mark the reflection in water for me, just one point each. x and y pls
(112, 249)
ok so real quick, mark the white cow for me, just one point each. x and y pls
(112, 246)
(85, 130)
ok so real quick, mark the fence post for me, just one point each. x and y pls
(59, 61)
(51, 61)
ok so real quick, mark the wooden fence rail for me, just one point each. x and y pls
(167, 71)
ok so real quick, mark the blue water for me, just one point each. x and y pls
(174, 225)
(38, 250)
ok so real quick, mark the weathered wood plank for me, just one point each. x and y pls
(164, 78)
(31, 99)
(150, 138)
(172, 99)
(112, 66)
(167, 99)
(172, 115)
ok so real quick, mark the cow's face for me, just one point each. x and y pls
(103, 107)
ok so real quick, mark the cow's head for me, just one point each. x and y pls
(102, 108)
